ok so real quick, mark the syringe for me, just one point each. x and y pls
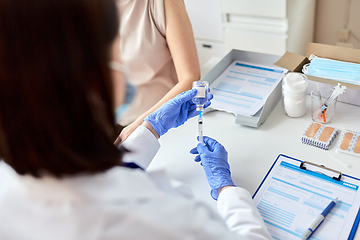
(200, 99)
(200, 127)
(336, 92)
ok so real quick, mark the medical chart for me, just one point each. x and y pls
(291, 198)
(244, 87)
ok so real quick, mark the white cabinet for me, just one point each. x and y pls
(256, 34)
(209, 49)
(255, 8)
(207, 24)
(206, 19)
(268, 26)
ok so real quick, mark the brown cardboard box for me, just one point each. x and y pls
(294, 62)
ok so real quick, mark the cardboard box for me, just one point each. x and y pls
(252, 57)
(294, 62)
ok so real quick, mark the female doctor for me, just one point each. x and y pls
(61, 177)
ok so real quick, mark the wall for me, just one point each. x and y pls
(332, 15)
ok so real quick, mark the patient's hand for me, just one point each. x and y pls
(125, 133)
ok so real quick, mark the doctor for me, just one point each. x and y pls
(61, 177)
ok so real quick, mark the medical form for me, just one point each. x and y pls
(290, 198)
(244, 87)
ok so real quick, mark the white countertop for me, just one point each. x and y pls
(252, 151)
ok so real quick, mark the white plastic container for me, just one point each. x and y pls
(294, 86)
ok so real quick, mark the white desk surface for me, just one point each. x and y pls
(252, 151)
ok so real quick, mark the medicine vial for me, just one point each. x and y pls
(202, 94)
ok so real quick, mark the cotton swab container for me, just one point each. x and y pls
(294, 87)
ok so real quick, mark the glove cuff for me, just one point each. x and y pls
(214, 194)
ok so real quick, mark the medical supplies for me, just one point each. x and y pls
(349, 143)
(319, 135)
(332, 69)
(201, 96)
(323, 103)
(294, 87)
(200, 99)
(295, 62)
(200, 128)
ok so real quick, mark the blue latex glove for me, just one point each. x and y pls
(174, 112)
(213, 157)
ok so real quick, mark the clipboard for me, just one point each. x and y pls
(294, 192)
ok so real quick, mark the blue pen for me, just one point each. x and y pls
(319, 220)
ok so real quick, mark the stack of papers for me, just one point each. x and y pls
(244, 87)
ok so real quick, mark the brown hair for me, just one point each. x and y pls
(56, 101)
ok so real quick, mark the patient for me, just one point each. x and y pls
(158, 47)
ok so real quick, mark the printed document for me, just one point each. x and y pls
(291, 198)
(244, 87)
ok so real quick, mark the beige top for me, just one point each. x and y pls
(145, 52)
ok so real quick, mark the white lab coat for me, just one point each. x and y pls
(121, 203)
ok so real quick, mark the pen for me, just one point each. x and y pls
(319, 220)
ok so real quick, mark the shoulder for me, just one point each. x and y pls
(174, 7)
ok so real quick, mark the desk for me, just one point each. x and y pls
(251, 151)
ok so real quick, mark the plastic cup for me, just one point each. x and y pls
(316, 103)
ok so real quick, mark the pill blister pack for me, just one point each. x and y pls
(349, 143)
(319, 135)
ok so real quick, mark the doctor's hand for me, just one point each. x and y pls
(213, 158)
(174, 112)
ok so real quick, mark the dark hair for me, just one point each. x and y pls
(56, 100)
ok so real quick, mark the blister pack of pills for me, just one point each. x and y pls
(349, 143)
(319, 135)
